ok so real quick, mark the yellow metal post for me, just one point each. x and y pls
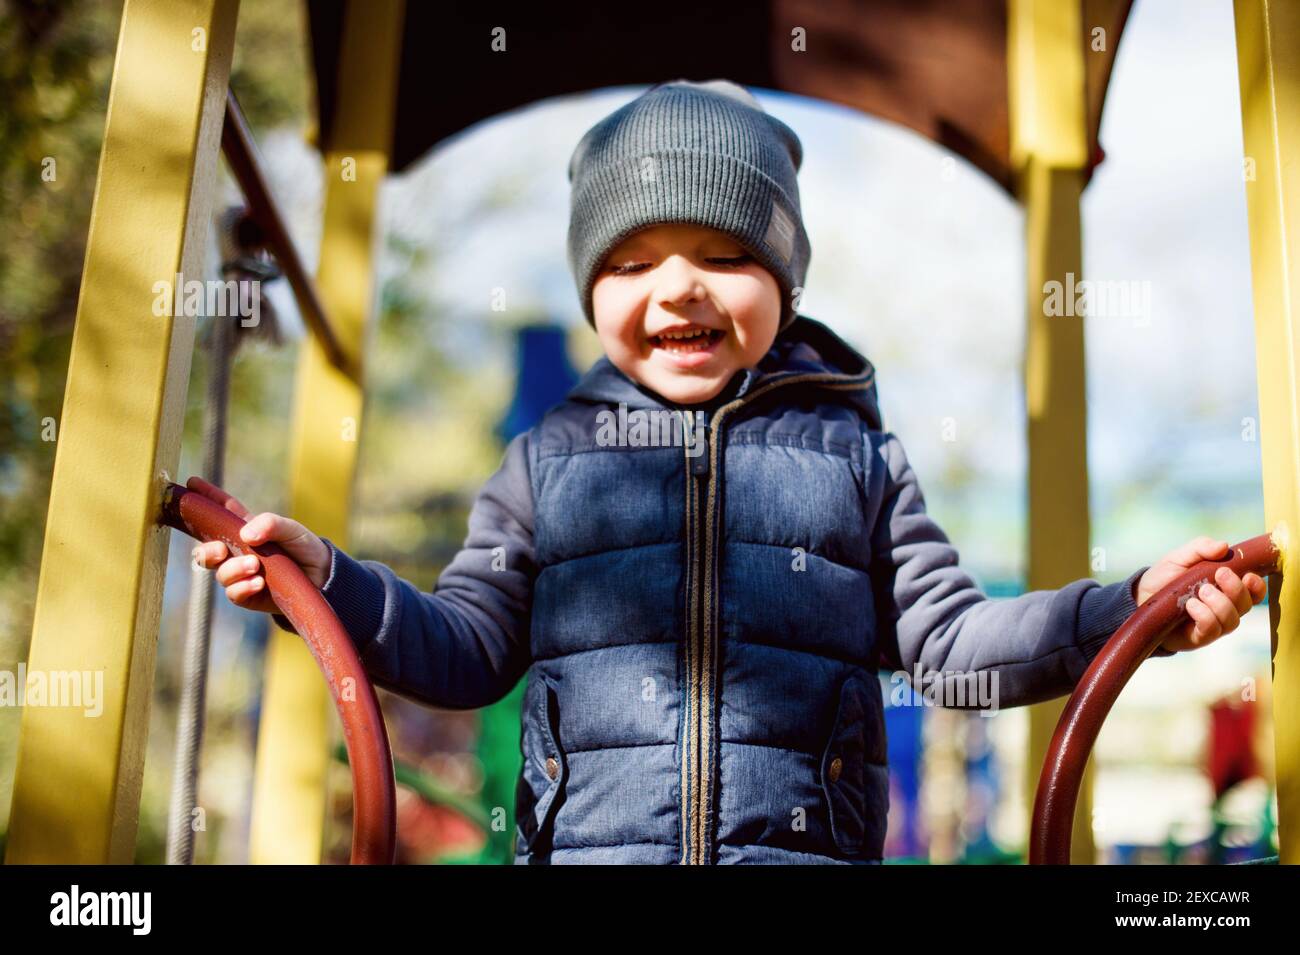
(1268, 63)
(1048, 151)
(293, 742)
(78, 776)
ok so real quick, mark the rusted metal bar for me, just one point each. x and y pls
(1105, 678)
(240, 151)
(374, 790)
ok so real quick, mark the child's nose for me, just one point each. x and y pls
(679, 282)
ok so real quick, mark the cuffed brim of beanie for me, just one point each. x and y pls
(661, 186)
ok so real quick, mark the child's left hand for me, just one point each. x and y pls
(1219, 607)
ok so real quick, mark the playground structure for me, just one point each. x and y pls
(1019, 96)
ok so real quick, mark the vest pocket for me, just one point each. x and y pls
(544, 769)
(854, 769)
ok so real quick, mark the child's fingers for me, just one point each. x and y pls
(1199, 549)
(1217, 608)
(210, 554)
(214, 493)
(242, 592)
(1225, 611)
(269, 526)
(1232, 586)
(1198, 624)
(237, 569)
(1206, 624)
(240, 574)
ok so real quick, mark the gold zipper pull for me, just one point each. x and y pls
(700, 463)
(696, 438)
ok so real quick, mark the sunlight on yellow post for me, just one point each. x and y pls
(1048, 112)
(1268, 63)
(289, 788)
(76, 796)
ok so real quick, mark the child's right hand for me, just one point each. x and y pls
(241, 576)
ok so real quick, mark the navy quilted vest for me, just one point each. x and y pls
(703, 687)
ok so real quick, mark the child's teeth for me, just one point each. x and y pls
(685, 341)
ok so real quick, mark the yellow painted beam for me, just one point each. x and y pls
(1048, 117)
(78, 775)
(1268, 63)
(1045, 83)
(294, 740)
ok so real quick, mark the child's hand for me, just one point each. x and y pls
(1219, 609)
(245, 586)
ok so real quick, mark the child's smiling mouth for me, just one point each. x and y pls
(687, 344)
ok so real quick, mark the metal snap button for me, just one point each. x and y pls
(833, 773)
(552, 767)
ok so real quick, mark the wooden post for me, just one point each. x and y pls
(1268, 64)
(293, 755)
(1049, 152)
(77, 781)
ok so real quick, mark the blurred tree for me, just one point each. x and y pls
(56, 65)
(56, 61)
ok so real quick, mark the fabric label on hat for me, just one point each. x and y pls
(780, 232)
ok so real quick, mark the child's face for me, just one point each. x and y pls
(681, 277)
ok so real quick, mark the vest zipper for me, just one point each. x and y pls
(701, 651)
(697, 471)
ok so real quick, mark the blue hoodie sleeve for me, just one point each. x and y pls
(931, 614)
(466, 644)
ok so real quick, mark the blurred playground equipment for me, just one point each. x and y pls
(1014, 87)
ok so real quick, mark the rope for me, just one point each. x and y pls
(198, 636)
(239, 244)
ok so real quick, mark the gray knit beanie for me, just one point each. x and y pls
(703, 153)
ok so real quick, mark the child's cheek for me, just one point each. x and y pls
(614, 322)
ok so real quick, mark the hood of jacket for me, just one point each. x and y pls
(805, 347)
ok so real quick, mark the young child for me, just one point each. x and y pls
(701, 622)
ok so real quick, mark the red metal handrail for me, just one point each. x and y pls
(374, 790)
(1100, 686)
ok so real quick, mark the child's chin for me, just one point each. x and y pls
(685, 388)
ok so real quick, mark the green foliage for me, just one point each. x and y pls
(55, 64)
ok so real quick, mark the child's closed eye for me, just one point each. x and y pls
(729, 261)
(629, 268)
